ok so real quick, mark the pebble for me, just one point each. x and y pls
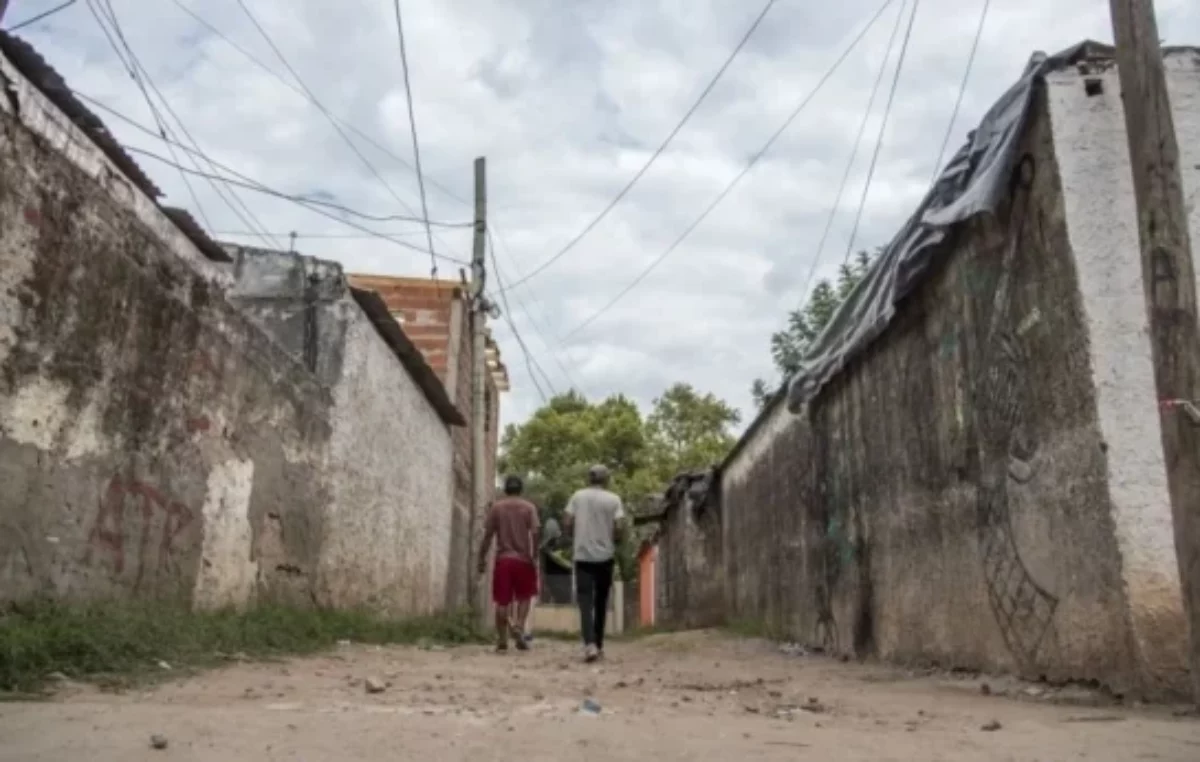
(158, 741)
(375, 685)
(991, 727)
(589, 707)
(985, 689)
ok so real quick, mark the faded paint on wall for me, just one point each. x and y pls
(958, 495)
(387, 533)
(157, 443)
(1093, 156)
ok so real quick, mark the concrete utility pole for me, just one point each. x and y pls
(1169, 281)
(478, 375)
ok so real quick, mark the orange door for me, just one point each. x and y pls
(646, 586)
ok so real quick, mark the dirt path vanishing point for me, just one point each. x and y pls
(694, 696)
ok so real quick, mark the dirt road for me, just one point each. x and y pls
(696, 696)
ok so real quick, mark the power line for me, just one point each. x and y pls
(321, 106)
(862, 203)
(311, 99)
(538, 328)
(962, 88)
(654, 156)
(134, 67)
(745, 170)
(323, 236)
(256, 185)
(862, 130)
(530, 362)
(42, 15)
(308, 203)
(311, 205)
(412, 123)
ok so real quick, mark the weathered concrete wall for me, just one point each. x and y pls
(1089, 132)
(979, 489)
(160, 439)
(388, 523)
(690, 569)
(388, 529)
(153, 442)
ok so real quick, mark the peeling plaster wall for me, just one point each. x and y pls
(983, 487)
(175, 429)
(388, 529)
(153, 442)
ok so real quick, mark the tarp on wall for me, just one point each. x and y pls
(976, 180)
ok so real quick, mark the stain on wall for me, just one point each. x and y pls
(946, 499)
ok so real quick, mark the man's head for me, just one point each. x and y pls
(513, 485)
(598, 476)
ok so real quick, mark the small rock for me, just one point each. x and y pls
(539, 697)
(375, 685)
(343, 643)
(814, 706)
(163, 665)
(621, 684)
(775, 694)
(991, 727)
(158, 741)
(57, 677)
(687, 699)
(1034, 692)
(590, 708)
(751, 709)
(985, 689)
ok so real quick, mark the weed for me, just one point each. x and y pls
(115, 643)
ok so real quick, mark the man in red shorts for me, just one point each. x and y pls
(513, 522)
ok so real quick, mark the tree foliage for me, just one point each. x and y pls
(805, 324)
(553, 450)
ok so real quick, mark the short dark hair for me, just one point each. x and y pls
(513, 485)
(598, 475)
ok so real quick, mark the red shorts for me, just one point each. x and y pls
(513, 579)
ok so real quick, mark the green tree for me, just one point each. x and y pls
(805, 324)
(687, 430)
(553, 450)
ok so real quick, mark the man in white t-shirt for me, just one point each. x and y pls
(594, 514)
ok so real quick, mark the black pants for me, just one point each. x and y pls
(593, 583)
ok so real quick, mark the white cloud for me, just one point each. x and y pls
(567, 100)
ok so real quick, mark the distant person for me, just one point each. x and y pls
(594, 514)
(550, 534)
(513, 522)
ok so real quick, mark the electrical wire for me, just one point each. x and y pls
(530, 362)
(500, 279)
(962, 89)
(322, 236)
(862, 130)
(862, 203)
(312, 205)
(42, 15)
(654, 156)
(133, 70)
(311, 99)
(140, 74)
(256, 185)
(745, 170)
(321, 106)
(412, 123)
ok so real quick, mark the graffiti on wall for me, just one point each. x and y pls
(1024, 609)
(136, 529)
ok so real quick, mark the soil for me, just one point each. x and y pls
(692, 696)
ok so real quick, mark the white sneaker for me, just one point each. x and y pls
(590, 654)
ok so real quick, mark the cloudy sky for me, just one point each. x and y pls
(567, 100)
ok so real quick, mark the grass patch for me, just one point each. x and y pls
(118, 643)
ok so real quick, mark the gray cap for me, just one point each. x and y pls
(598, 473)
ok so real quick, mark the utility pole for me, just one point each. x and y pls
(3, 8)
(478, 377)
(1169, 282)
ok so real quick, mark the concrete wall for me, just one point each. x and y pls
(160, 440)
(984, 487)
(153, 442)
(689, 573)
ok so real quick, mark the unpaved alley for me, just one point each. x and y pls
(695, 696)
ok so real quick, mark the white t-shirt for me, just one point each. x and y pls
(594, 512)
